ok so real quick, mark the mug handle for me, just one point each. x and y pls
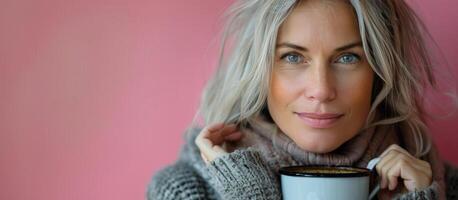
(371, 165)
(374, 191)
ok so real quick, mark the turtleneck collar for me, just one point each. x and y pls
(355, 152)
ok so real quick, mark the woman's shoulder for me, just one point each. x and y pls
(184, 178)
(177, 181)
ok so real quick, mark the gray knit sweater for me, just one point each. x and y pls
(246, 173)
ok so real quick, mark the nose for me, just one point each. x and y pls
(321, 84)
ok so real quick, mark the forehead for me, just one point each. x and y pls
(320, 21)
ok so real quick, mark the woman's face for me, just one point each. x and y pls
(320, 91)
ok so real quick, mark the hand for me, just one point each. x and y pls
(396, 163)
(211, 140)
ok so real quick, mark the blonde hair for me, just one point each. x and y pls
(393, 41)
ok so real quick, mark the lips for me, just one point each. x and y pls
(319, 120)
(320, 115)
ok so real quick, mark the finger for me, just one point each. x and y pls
(228, 130)
(422, 167)
(390, 155)
(204, 145)
(234, 136)
(387, 150)
(218, 137)
(395, 147)
(414, 178)
(426, 168)
(209, 151)
(383, 166)
(217, 151)
(201, 140)
(207, 130)
(392, 150)
(417, 163)
(211, 137)
(402, 169)
(393, 172)
(217, 127)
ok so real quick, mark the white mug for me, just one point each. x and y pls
(324, 183)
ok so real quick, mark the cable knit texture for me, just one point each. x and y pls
(250, 171)
(244, 172)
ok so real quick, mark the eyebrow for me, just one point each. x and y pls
(300, 48)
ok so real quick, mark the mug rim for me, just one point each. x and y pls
(360, 172)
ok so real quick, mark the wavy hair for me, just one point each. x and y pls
(393, 41)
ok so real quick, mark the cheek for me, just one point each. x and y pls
(357, 92)
(282, 91)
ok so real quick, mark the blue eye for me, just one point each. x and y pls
(293, 58)
(348, 59)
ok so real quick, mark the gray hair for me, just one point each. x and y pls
(392, 37)
(238, 90)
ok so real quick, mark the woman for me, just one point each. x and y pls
(326, 82)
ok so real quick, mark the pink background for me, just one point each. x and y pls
(94, 95)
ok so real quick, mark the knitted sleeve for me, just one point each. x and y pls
(178, 182)
(429, 193)
(243, 174)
